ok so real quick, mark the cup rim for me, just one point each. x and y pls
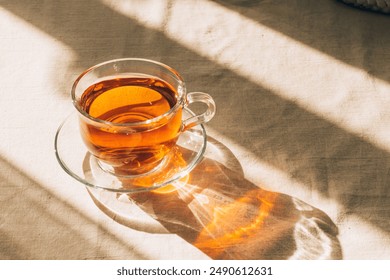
(128, 124)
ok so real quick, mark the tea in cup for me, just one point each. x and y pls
(131, 113)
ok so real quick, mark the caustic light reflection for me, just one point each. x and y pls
(237, 223)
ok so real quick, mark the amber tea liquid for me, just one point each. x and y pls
(133, 149)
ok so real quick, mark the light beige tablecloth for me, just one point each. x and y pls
(303, 99)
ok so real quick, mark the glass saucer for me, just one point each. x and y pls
(76, 160)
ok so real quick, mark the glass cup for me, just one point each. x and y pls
(131, 113)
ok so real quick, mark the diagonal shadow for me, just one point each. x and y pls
(54, 228)
(356, 37)
(312, 150)
(319, 154)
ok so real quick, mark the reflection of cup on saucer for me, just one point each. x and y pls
(130, 113)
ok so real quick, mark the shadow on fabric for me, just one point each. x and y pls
(227, 217)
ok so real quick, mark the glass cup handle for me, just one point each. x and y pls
(204, 117)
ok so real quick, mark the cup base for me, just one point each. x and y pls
(130, 172)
